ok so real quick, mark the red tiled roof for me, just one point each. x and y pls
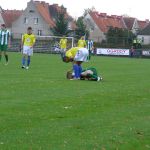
(104, 21)
(129, 21)
(43, 9)
(10, 16)
(143, 24)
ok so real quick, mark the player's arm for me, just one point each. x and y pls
(9, 40)
(22, 41)
(85, 43)
(33, 41)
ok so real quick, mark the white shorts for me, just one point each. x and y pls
(27, 50)
(81, 55)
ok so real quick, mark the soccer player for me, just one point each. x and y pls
(77, 55)
(90, 47)
(28, 41)
(4, 42)
(63, 44)
(82, 42)
(89, 73)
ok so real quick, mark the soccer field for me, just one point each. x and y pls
(41, 110)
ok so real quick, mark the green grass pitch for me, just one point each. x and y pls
(41, 110)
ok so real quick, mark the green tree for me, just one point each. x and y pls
(81, 28)
(119, 37)
(61, 24)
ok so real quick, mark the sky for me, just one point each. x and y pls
(132, 8)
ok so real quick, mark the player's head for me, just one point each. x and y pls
(29, 30)
(3, 26)
(66, 59)
(82, 37)
(69, 75)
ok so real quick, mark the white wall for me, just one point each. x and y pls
(145, 39)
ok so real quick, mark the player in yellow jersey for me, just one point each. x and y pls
(77, 55)
(82, 42)
(63, 44)
(28, 41)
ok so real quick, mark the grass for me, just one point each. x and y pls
(41, 110)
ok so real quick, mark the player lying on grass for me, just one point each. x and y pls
(86, 74)
(77, 55)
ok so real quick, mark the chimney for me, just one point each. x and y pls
(104, 15)
(147, 20)
(114, 16)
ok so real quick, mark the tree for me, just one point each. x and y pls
(119, 37)
(81, 28)
(61, 24)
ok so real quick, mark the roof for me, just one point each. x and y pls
(145, 31)
(129, 21)
(105, 21)
(49, 12)
(9, 16)
(43, 9)
(143, 24)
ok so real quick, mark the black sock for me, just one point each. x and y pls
(6, 57)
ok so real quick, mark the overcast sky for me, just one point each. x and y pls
(133, 8)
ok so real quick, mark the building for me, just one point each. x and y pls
(98, 24)
(40, 16)
(9, 16)
(144, 35)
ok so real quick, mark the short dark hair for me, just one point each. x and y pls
(29, 28)
(3, 25)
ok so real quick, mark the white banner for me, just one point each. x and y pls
(146, 53)
(111, 51)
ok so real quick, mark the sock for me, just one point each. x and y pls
(28, 61)
(23, 61)
(80, 70)
(6, 57)
(76, 70)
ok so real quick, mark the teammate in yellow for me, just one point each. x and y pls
(77, 55)
(82, 42)
(28, 41)
(63, 44)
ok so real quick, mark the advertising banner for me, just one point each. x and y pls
(111, 51)
(146, 53)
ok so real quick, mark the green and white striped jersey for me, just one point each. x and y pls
(4, 37)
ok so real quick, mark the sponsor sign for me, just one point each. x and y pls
(110, 51)
(146, 53)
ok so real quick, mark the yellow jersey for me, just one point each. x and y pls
(72, 52)
(81, 43)
(28, 39)
(63, 43)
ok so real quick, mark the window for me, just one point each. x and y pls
(36, 20)
(39, 32)
(26, 20)
(142, 39)
(69, 26)
(31, 11)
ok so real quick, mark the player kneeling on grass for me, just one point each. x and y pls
(77, 55)
(86, 74)
(28, 41)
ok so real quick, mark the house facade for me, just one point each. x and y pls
(98, 24)
(144, 35)
(40, 16)
(7, 17)
(35, 15)
(1, 18)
